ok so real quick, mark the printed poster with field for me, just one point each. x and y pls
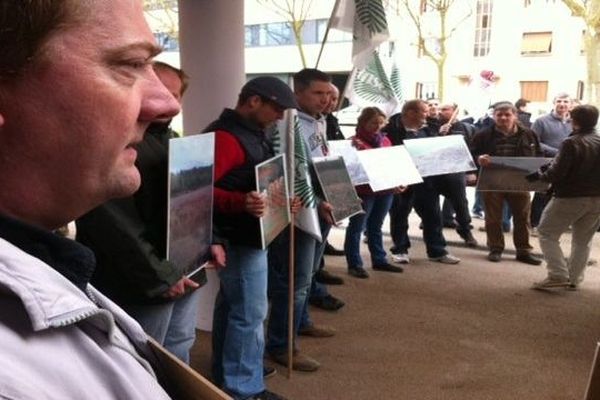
(189, 236)
(271, 182)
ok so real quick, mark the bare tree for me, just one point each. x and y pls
(589, 12)
(434, 45)
(295, 14)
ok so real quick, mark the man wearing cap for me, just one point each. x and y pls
(241, 305)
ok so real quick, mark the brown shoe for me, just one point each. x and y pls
(317, 331)
(300, 362)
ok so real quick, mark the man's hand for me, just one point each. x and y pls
(295, 204)
(484, 160)
(255, 204)
(400, 189)
(178, 289)
(471, 179)
(532, 177)
(219, 259)
(444, 129)
(325, 211)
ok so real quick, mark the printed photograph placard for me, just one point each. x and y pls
(344, 148)
(389, 167)
(507, 174)
(189, 235)
(440, 155)
(271, 181)
(337, 187)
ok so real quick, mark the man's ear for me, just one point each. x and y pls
(1, 120)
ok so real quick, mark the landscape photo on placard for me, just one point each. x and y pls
(440, 155)
(337, 187)
(271, 181)
(191, 161)
(344, 148)
(507, 174)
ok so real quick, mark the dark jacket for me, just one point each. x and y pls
(484, 142)
(397, 133)
(129, 236)
(241, 228)
(574, 172)
(333, 128)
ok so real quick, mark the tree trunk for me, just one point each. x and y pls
(592, 52)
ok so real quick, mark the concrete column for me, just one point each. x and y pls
(211, 39)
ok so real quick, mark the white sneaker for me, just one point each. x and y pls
(446, 259)
(549, 283)
(401, 258)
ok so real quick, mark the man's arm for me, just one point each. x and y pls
(559, 168)
(539, 129)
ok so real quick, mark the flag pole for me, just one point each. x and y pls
(333, 12)
(292, 259)
(349, 81)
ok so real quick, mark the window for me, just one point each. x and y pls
(426, 90)
(534, 90)
(536, 43)
(483, 28)
(281, 34)
(527, 3)
(580, 90)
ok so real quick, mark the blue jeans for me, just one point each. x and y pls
(238, 334)
(375, 207)
(317, 290)
(172, 324)
(305, 245)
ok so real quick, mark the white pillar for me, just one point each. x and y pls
(211, 39)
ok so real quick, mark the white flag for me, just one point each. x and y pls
(377, 85)
(368, 24)
(287, 140)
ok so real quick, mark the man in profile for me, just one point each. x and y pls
(129, 240)
(77, 92)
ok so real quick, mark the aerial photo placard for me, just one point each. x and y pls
(389, 167)
(507, 174)
(440, 155)
(189, 235)
(337, 187)
(344, 148)
(271, 181)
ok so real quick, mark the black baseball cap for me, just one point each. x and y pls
(273, 89)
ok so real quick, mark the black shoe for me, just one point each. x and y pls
(327, 278)
(495, 256)
(268, 372)
(388, 268)
(470, 241)
(358, 272)
(528, 259)
(332, 251)
(267, 395)
(327, 303)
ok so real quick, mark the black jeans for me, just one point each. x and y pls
(453, 188)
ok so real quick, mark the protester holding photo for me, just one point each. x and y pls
(375, 204)
(506, 138)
